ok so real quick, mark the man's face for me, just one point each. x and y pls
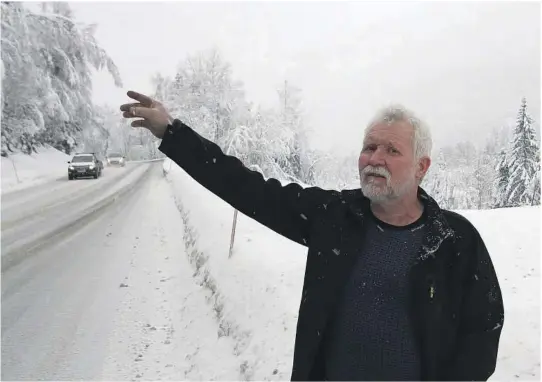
(387, 166)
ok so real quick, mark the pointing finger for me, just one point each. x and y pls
(145, 100)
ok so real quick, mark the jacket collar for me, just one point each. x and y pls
(438, 229)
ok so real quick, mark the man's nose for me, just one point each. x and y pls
(378, 158)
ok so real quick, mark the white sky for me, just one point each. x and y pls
(462, 66)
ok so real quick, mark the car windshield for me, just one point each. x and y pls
(82, 159)
(115, 156)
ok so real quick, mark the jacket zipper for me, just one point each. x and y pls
(432, 316)
(431, 282)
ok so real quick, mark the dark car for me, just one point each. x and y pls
(115, 159)
(85, 165)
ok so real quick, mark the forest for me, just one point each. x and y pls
(47, 63)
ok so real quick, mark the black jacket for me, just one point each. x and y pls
(456, 306)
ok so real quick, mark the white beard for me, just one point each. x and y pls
(381, 193)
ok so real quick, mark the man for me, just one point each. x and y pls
(395, 288)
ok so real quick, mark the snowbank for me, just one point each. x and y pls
(512, 237)
(20, 170)
(256, 293)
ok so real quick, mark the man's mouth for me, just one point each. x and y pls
(376, 175)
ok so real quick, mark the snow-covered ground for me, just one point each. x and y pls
(256, 293)
(21, 171)
(512, 237)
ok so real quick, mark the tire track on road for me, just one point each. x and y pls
(19, 249)
(79, 193)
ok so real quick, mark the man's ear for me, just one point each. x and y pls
(423, 165)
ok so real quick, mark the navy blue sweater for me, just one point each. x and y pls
(370, 337)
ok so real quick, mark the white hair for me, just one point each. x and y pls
(422, 142)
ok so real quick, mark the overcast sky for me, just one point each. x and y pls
(462, 66)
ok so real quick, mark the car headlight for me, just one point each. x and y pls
(91, 167)
(71, 167)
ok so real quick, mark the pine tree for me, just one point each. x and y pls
(498, 139)
(534, 189)
(502, 180)
(523, 161)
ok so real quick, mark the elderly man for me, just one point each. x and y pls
(395, 288)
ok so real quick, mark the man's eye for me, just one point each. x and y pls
(393, 150)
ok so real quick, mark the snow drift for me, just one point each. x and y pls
(20, 170)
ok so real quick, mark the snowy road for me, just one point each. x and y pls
(112, 296)
(33, 217)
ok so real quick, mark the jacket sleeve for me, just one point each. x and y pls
(482, 319)
(288, 210)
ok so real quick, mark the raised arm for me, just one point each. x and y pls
(288, 210)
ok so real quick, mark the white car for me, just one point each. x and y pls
(116, 160)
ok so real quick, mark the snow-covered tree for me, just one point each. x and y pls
(454, 177)
(497, 141)
(94, 140)
(204, 94)
(292, 132)
(523, 161)
(484, 176)
(534, 189)
(502, 180)
(46, 89)
(333, 170)
(436, 181)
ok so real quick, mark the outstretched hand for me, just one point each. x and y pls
(154, 115)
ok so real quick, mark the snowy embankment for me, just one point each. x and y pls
(256, 293)
(21, 171)
(512, 237)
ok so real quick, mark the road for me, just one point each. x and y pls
(29, 216)
(96, 284)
